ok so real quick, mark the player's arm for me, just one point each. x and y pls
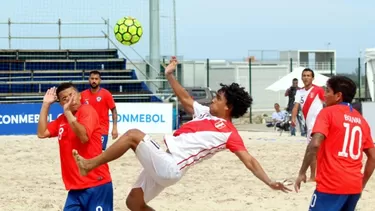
(182, 95)
(77, 127)
(287, 92)
(369, 150)
(253, 165)
(112, 105)
(114, 116)
(48, 99)
(311, 150)
(43, 131)
(319, 133)
(297, 99)
(369, 166)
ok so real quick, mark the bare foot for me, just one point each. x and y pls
(81, 163)
(312, 180)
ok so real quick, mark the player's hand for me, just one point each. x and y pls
(293, 122)
(50, 96)
(69, 103)
(280, 186)
(297, 184)
(114, 133)
(172, 66)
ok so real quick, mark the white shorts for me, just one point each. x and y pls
(160, 170)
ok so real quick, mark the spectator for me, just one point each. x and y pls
(278, 116)
(291, 94)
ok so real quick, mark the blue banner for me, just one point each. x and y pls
(22, 119)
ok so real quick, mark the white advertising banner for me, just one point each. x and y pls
(368, 113)
(147, 117)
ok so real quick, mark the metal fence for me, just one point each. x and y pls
(255, 76)
(59, 28)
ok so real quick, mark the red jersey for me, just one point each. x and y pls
(102, 101)
(339, 159)
(60, 128)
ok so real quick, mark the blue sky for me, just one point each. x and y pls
(206, 28)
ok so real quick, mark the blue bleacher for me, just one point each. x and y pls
(49, 66)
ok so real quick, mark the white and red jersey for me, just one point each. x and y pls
(311, 102)
(202, 137)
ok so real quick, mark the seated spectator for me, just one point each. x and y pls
(278, 116)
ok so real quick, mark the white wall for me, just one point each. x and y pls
(370, 71)
(221, 71)
(195, 74)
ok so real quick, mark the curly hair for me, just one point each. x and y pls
(237, 98)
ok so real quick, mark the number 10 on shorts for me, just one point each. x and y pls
(350, 138)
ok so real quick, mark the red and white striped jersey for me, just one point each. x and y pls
(202, 137)
(311, 104)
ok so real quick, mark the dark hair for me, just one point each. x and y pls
(95, 72)
(308, 70)
(295, 79)
(64, 86)
(237, 99)
(276, 104)
(344, 85)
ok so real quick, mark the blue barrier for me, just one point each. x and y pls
(175, 119)
(22, 119)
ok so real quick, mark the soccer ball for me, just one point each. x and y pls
(128, 30)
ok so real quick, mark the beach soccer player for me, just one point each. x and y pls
(210, 132)
(101, 99)
(77, 128)
(339, 138)
(311, 99)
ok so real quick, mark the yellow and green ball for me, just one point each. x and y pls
(128, 30)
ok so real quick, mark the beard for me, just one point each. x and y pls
(94, 86)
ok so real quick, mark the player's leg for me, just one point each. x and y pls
(351, 203)
(99, 198)
(144, 190)
(135, 201)
(129, 140)
(72, 202)
(104, 142)
(327, 202)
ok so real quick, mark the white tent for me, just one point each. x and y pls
(285, 82)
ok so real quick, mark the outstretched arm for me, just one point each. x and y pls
(253, 165)
(182, 95)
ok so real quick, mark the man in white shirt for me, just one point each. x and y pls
(278, 116)
(311, 99)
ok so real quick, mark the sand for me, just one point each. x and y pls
(30, 178)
